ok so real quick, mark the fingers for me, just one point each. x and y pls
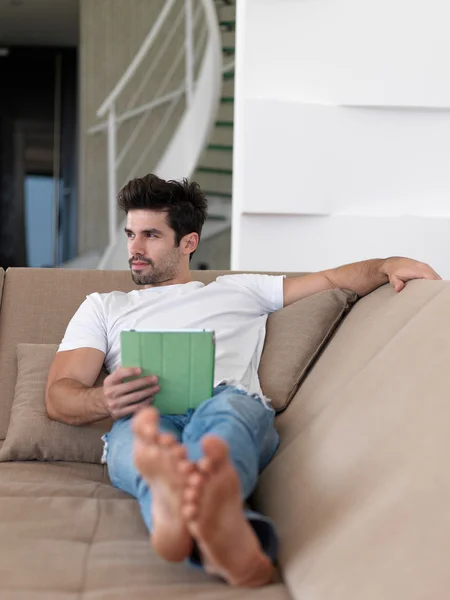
(429, 273)
(133, 387)
(122, 373)
(131, 402)
(399, 277)
(123, 393)
(397, 283)
(125, 398)
(115, 388)
(436, 276)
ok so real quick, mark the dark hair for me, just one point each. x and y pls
(184, 202)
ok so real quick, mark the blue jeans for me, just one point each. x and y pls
(243, 421)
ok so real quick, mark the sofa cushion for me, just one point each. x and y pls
(31, 434)
(31, 479)
(295, 337)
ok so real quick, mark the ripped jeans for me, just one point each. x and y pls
(245, 422)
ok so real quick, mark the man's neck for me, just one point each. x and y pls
(180, 279)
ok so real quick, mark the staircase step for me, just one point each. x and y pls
(215, 174)
(218, 194)
(217, 218)
(219, 182)
(226, 12)
(222, 136)
(216, 159)
(226, 112)
(228, 38)
(217, 170)
(230, 24)
(222, 147)
(228, 87)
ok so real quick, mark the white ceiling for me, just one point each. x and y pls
(38, 23)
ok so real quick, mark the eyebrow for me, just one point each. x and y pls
(152, 231)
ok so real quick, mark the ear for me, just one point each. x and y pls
(189, 243)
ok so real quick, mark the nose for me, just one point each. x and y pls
(135, 246)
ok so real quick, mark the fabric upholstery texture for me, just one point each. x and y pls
(63, 536)
(65, 532)
(295, 336)
(359, 488)
(31, 434)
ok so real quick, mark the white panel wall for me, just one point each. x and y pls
(342, 133)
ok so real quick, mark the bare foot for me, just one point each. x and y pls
(214, 515)
(162, 462)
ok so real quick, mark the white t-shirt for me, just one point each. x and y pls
(234, 306)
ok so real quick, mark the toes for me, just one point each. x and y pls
(144, 418)
(144, 454)
(178, 452)
(146, 425)
(185, 467)
(195, 480)
(205, 465)
(191, 495)
(215, 449)
(193, 490)
(167, 440)
(190, 512)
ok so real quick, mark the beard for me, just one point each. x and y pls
(154, 274)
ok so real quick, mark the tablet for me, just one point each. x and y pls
(182, 359)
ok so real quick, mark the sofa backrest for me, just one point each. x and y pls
(37, 305)
(359, 489)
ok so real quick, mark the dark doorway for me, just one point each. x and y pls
(38, 156)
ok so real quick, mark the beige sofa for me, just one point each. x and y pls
(359, 490)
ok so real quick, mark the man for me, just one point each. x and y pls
(191, 473)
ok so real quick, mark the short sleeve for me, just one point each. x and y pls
(266, 290)
(87, 328)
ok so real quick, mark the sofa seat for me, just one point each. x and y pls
(66, 533)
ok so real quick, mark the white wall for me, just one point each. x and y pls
(342, 133)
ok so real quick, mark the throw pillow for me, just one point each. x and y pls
(31, 434)
(295, 338)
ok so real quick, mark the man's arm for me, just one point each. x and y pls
(361, 277)
(70, 397)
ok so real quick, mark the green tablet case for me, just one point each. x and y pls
(183, 360)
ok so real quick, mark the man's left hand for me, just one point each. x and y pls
(401, 270)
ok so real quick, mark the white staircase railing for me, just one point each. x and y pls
(201, 53)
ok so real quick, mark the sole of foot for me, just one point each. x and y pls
(213, 510)
(162, 462)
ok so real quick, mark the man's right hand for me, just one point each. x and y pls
(123, 399)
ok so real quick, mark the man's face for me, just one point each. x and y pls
(152, 255)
